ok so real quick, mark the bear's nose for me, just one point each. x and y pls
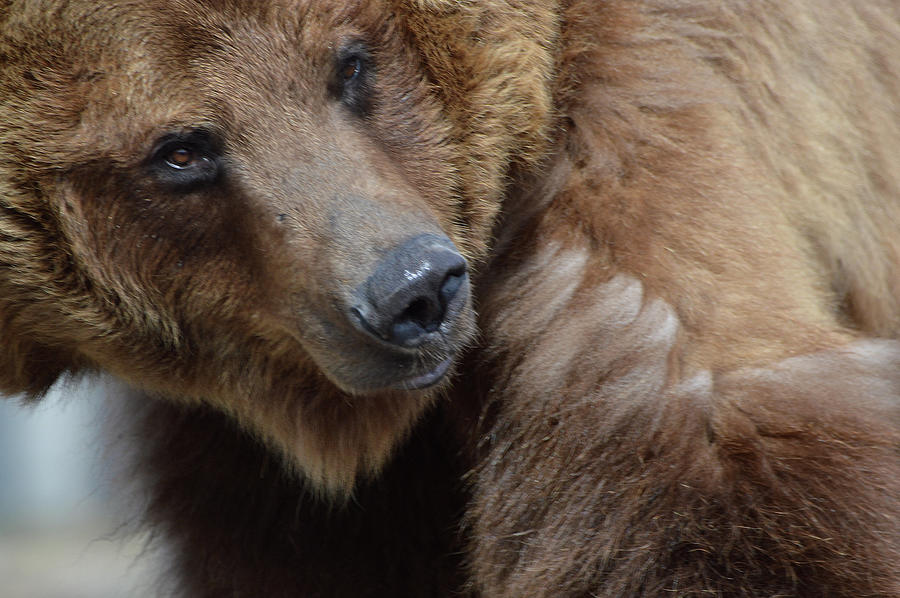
(415, 288)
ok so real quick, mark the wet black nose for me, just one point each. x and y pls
(415, 288)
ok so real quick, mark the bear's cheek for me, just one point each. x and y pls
(168, 268)
(366, 284)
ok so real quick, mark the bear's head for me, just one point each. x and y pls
(270, 208)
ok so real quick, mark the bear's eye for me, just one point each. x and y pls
(186, 160)
(183, 157)
(353, 77)
(351, 69)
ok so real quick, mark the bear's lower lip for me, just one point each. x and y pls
(428, 379)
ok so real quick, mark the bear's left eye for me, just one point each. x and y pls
(184, 157)
(186, 161)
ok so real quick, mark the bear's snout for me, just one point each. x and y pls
(415, 292)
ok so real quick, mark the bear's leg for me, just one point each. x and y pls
(605, 470)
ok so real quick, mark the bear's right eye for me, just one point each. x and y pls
(186, 161)
(353, 77)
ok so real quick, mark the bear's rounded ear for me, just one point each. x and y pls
(353, 77)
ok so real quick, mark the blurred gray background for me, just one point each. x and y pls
(59, 510)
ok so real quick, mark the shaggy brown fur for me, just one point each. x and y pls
(681, 222)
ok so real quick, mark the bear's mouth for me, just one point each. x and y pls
(367, 367)
(428, 379)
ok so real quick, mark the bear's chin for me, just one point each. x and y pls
(423, 373)
(430, 378)
(334, 447)
(330, 436)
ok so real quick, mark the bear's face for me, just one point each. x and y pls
(270, 182)
(259, 206)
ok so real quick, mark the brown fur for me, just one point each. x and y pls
(683, 220)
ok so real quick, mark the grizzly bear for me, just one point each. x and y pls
(472, 298)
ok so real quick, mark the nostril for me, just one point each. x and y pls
(421, 316)
(423, 313)
(451, 285)
(413, 291)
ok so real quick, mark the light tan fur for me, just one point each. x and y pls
(681, 222)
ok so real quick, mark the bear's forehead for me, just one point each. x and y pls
(151, 27)
(156, 63)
